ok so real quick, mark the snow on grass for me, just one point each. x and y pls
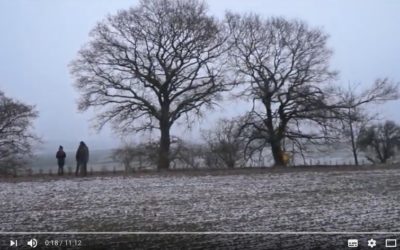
(296, 201)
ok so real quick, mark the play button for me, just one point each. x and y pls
(13, 243)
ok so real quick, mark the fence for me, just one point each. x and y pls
(116, 169)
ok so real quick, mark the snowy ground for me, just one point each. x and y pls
(293, 201)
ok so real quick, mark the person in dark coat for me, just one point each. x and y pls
(61, 155)
(82, 158)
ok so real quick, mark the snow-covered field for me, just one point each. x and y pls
(293, 201)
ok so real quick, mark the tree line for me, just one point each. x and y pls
(165, 62)
(162, 61)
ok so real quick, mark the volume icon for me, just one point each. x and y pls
(32, 243)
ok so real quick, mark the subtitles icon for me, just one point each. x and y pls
(352, 243)
(391, 243)
(32, 243)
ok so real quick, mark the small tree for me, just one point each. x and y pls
(225, 143)
(16, 137)
(380, 141)
(185, 154)
(126, 155)
(149, 66)
(136, 156)
(354, 116)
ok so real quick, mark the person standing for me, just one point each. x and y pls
(61, 155)
(82, 158)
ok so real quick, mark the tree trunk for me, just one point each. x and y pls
(275, 142)
(277, 153)
(163, 157)
(353, 144)
(230, 163)
(165, 142)
(355, 155)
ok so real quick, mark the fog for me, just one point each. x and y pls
(40, 38)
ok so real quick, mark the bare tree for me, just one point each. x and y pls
(127, 155)
(380, 141)
(225, 143)
(283, 67)
(353, 122)
(16, 137)
(355, 118)
(136, 156)
(148, 66)
(186, 155)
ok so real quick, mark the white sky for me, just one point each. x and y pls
(39, 38)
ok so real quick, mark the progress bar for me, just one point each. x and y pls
(197, 233)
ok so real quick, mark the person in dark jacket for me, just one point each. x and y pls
(82, 158)
(61, 155)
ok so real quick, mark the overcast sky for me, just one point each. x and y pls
(40, 38)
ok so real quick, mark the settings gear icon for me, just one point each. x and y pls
(372, 243)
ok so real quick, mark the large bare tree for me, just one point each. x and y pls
(16, 137)
(283, 68)
(146, 67)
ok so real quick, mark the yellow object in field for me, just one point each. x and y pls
(286, 158)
